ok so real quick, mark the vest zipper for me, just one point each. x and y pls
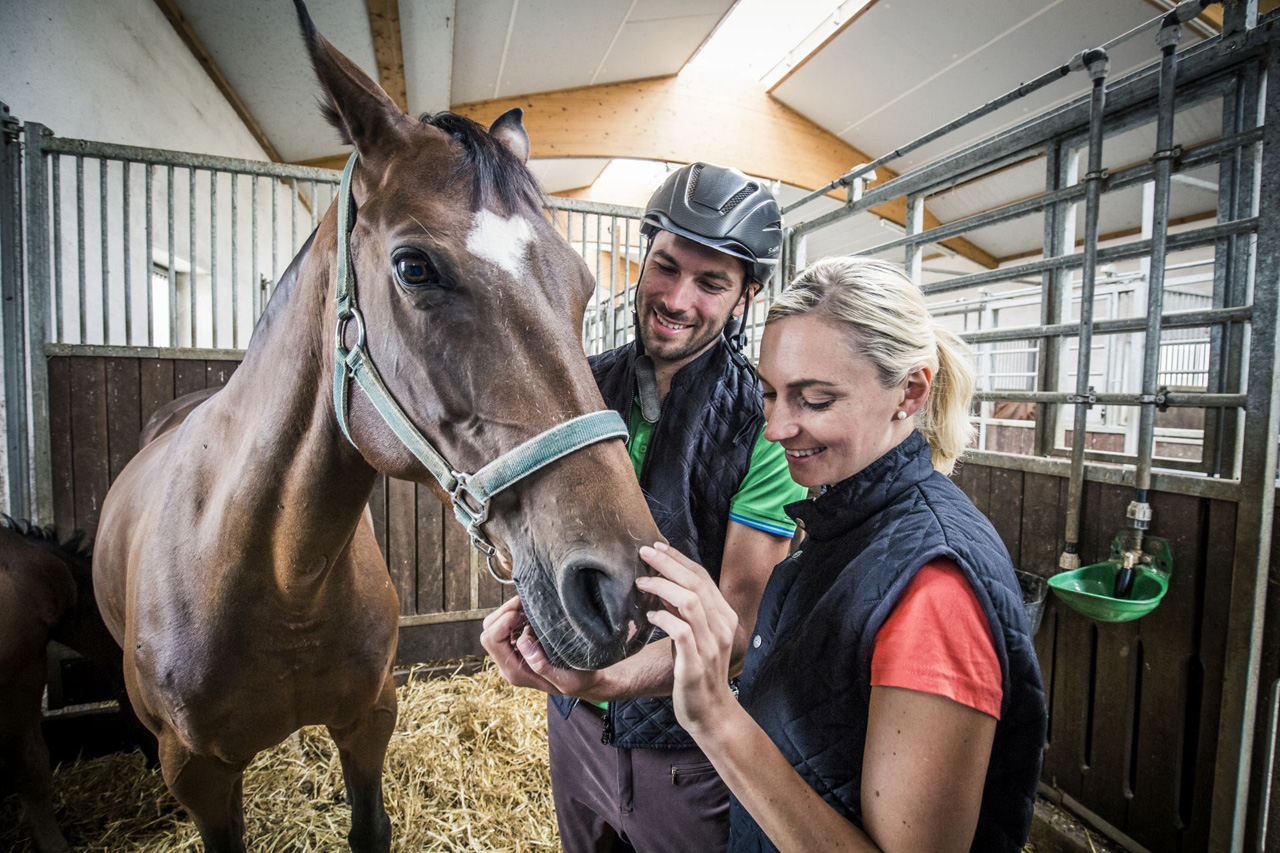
(606, 736)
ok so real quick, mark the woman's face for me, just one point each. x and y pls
(824, 402)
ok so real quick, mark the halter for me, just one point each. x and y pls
(470, 494)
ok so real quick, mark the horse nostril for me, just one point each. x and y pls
(595, 602)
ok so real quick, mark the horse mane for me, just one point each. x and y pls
(495, 171)
(76, 550)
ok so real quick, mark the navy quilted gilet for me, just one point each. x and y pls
(698, 456)
(808, 683)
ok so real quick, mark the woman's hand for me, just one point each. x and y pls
(701, 625)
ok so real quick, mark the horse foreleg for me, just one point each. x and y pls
(362, 747)
(23, 751)
(211, 792)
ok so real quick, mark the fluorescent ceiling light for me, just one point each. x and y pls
(765, 38)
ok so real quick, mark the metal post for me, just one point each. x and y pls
(915, 224)
(1060, 171)
(13, 358)
(1243, 626)
(1139, 511)
(1098, 66)
(37, 228)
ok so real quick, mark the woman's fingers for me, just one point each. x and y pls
(680, 633)
(663, 559)
(686, 602)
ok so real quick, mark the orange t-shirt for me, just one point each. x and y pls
(937, 640)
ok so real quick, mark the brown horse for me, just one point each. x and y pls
(46, 593)
(235, 563)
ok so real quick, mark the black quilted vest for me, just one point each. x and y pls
(698, 456)
(808, 682)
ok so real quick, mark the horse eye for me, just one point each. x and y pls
(414, 269)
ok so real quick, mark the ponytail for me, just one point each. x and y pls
(945, 419)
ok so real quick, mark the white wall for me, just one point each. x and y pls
(114, 71)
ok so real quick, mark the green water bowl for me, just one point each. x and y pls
(1088, 591)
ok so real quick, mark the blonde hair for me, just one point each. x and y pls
(885, 314)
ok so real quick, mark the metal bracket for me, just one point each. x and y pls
(1174, 154)
(1160, 399)
(1089, 399)
(1100, 175)
(9, 126)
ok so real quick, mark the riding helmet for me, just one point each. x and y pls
(721, 208)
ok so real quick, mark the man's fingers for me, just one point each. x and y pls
(511, 604)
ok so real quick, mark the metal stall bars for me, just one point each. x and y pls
(1238, 466)
(608, 238)
(160, 288)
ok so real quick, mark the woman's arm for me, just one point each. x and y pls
(925, 761)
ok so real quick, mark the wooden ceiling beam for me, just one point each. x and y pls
(699, 114)
(188, 35)
(388, 49)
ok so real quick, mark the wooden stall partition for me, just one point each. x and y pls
(98, 406)
(1133, 706)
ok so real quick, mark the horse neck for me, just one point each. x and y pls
(299, 481)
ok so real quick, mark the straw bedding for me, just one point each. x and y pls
(466, 770)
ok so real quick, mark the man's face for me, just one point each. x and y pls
(687, 294)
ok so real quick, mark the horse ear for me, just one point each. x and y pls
(355, 105)
(508, 129)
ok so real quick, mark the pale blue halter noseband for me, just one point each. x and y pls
(470, 494)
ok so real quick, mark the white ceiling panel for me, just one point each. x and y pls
(260, 51)
(942, 65)
(479, 40)
(426, 40)
(644, 46)
(657, 10)
(557, 174)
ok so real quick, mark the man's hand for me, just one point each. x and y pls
(520, 659)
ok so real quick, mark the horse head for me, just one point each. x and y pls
(471, 306)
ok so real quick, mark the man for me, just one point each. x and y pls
(624, 774)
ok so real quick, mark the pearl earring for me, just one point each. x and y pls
(901, 415)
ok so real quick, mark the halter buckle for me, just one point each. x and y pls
(339, 332)
(472, 510)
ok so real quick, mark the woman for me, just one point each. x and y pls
(890, 698)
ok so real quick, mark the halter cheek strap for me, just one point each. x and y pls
(470, 494)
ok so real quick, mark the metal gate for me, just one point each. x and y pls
(1162, 731)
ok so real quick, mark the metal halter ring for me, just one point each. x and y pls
(353, 313)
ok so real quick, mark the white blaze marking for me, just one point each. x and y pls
(501, 242)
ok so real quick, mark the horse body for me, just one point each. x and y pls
(236, 562)
(45, 594)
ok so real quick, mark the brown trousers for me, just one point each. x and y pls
(647, 800)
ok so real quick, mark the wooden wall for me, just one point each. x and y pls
(97, 407)
(1133, 706)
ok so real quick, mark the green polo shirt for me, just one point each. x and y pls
(765, 490)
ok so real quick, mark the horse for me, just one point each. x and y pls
(46, 593)
(235, 560)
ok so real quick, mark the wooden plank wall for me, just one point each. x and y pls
(1133, 707)
(97, 407)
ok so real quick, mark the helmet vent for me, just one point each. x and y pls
(694, 172)
(738, 198)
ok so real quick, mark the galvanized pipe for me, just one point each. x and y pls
(846, 180)
(102, 227)
(191, 249)
(1098, 66)
(1172, 320)
(59, 306)
(128, 290)
(1139, 510)
(1138, 248)
(1180, 399)
(84, 314)
(173, 279)
(147, 265)
(235, 262)
(213, 259)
